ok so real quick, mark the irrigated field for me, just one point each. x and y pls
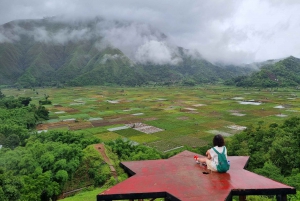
(165, 118)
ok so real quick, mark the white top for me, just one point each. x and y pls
(214, 155)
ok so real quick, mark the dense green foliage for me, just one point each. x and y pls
(273, 149)
(37, 166)
(16, 116)
(281, 74)
(43, 166)
(126, 151)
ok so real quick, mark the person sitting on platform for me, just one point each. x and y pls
(216, 159)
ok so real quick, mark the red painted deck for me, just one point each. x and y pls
(183, 179)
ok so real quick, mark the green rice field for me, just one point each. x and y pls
(165, 118)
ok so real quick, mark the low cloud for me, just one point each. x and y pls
(111, 57)
(4, 39)
(156, 52)
(227, 31)
(140, 42)
(62, 36)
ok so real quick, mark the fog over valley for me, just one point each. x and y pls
(140, 42)
(230, 32)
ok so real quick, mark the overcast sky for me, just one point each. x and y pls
(235, 31)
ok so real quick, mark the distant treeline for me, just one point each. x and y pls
(281, 74)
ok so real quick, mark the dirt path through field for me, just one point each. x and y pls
(101, 150)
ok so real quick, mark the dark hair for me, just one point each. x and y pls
(218, 140)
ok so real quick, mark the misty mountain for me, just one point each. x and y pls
(55, 51)
(282, 73)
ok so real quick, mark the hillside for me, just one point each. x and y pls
(279, 74)
(53, 52)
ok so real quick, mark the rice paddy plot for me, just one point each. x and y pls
(183, 118)
(107, 112)
(71, 119)
(172, 107)
(249, 103)
(212, 123)
(129, 132)
(108, 136)
(75, 116)
(292, 111)
(199, 105)
(80, 125)
(52, 121)
(279, 107)
(164, 145)
(144, 138)
(60, 112)
(118, 128)
(216, 132)
(187, 130)
(148, 129)
(161, 99)
(95, 118)
(77, 104)
(87, 110)
(79, 100)
(138, 114)
(189, 109)
(97, 130)
(281, 115)
(48, 126)
(237, 114)
(113, 101)
(61, 129)
(92, 99)
(169, 134)
(189, 141)
(236, 127)
(166, 124)
(238, 98)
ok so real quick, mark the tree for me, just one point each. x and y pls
(24, 100)
(2, 139)
(12, 141)
(1, 95)
(61, 176)
(10, 186)
(127, 151)
(42, 112)
(271, 171)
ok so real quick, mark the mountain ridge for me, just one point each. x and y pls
(51, 52)
(283, 73)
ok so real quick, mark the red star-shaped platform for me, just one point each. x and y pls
(180, 178)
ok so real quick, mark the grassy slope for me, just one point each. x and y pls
(85, 195)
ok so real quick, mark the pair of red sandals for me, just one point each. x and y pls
(196, 159)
